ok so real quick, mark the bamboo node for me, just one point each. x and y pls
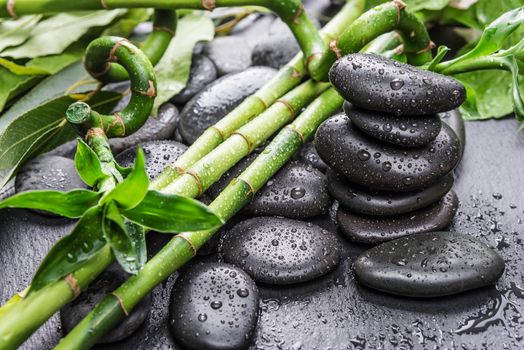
(209, 5)
(295, 73)
(218, 131)
(299, 13)
(150, 90)
(121, 303)
(188, 241)
(259, 99)
(179, 170)
(104, 4)
(400, 6)
(295, 130)
(164, 29)
(333, 47)
(430, 46)
(197, 180)
(107, 66)
(93, 132)
(11, 8)
(118, 120)
(289, 107)
(73, 284)
(112, 54)
(251, 191)
(248, 142)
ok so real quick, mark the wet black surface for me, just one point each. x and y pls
(333, 312)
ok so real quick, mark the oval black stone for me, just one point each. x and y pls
(374, 229)
(297, 191)
(107, 282)
(405, 131)
(381, 84)
(213, 306)
(429, 265)
(380, 166)
(275, 51)
(309, 155)
(382, 203)
(229, 54)
(456, 123)
(202, 73)
(158, 155)
(280, 251)
(218, 99)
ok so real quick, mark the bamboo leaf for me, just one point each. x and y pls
(54, 34)
(172, 71)
(15, 31)
(127, 239)
(171, 213)
(22, 70)
(72, 204)
(87, 164)
(72, 251)
(130, 192)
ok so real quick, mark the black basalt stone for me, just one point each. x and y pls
(275, 51)
(202, 73)
(309, 155)
(373, 229)
(107, 282)
(218, 99)
(229, 54)
(381, 203)
(429, 265)
(158, 155)
(297, 191)
(380, 166)
(280, 251)
(456, 123)
(404, 131)
(213, 306)
(381, 84)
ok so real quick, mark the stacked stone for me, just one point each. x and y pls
(391, 157)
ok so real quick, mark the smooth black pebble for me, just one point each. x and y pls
(377, 229)
(275, 51)
(107, 282)
(456, 123)
(203, 72)
(282, 251)
(215, 189)
(380, 84)
(404, 131)
(380, 166)
(218, 99)
(381, 203)
(229, 54)
(213, 306)
(158, 155)
(308, 154)
(429, 265)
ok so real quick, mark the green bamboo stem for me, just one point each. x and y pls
(183, 246)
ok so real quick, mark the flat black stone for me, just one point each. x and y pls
(275, 51)
(158, 155)
(381, 203)
(213, 306)
(456, 123)
(309, 155)
(374, 229)
(380, 166)
(280, 251)
(297, 191)
(404, 131)
(107, 282)
(381, 84)
(203, 72)
(218, 99)
(229, 54)
(429, 265)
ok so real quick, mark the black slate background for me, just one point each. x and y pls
(333, 312)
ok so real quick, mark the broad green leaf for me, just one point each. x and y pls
(130, 192)
(125, 25)
(10, 83)
(171, 213)
(15, 31)
(71, 204)
(172, 71)
(72, 251)
(25, 135)
(127, 239)
(54, 34)
(87, 164)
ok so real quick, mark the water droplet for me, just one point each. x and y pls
(216, 304)
(363, 155)
(202, 317)
(396, 84)
(297, 192)
(243, 292)
(386, 166)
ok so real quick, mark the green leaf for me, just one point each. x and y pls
(72, 204)
(22, 70)
(72, 251)
(15, 31)
(441, 52)
(172, 213)
(127, 240)
(172, 71)
(87, 164)
(130, 192)
(54, 34)
(125, 25)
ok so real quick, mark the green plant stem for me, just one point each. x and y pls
(476, 64)
(183, 246)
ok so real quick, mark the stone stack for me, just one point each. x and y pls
(391, 157)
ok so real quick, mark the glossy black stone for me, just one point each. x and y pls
(456, 123)
(297, 191)
(213, 306)
(203, 72)
(107, 282)
(275, 51)
(218, 99)
(379, 166)
(309, 155)
(381, 203)
(404, 131)
(374, 229)
(229, 54)
(158, 155)
(280, 251)
(429, 265)
(381, 84)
